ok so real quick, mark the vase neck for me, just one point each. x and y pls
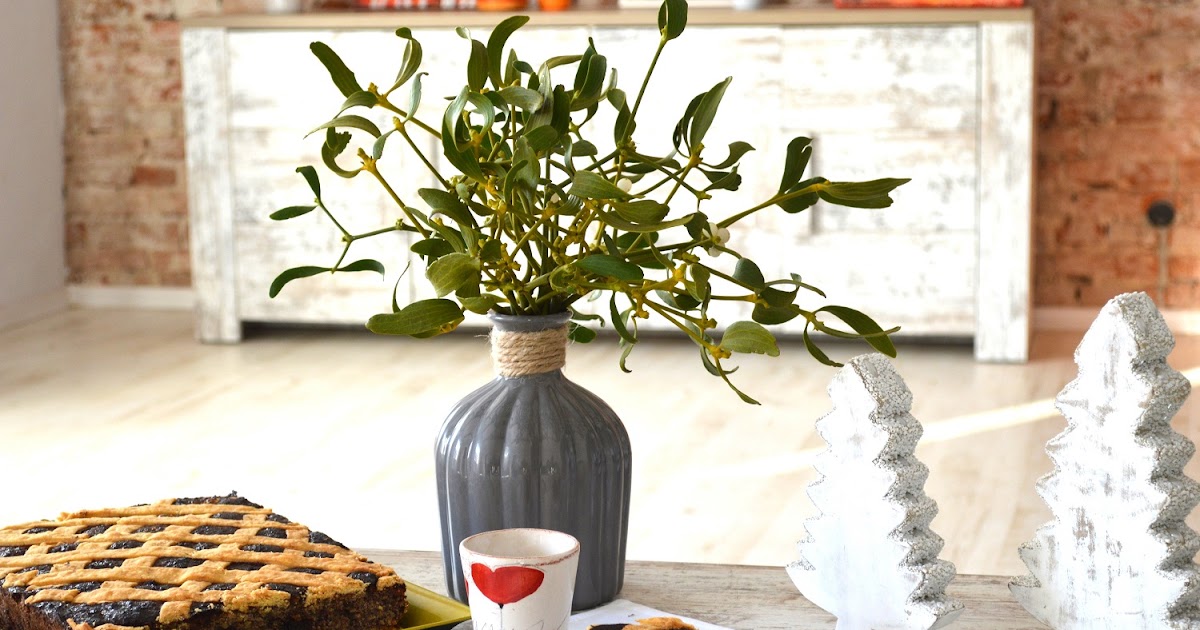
(518, 353)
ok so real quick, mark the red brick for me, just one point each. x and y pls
(1047, 110)
(1056, 202)
(166, 32)
(1181, 20)
(167, 149)
(152, 176)
(1184, 267)
(1143, 108)
(149, 66)
(1078, 263)
(1111, 205)
(1131, 233)
(1069, 111)
(153, 10)
(100, 118)
(1116, 24)
(157, 204)
(1171, 51)
(1187, 207)
(1189, 175)
(101, 146)
(1098, 34)
(1068, 290)
(1144, 142)
(77, 233)
(1084, 111)
(189, 8)
(99, 35)
(1061, 289)
(1076, 231)
(154, 122)
(99, 11)
(98, 172)
(1052, 292)
(181, 278)
(1121, 174)
(1062, 144)
(172, 268)
(1051, 179)
(153, 92)
(1183, 295)
(1184, 239)
(1045, 231)
(1057, 79)
(1104, 289)
(1137, 265)
(90, 200)
(1189, 109)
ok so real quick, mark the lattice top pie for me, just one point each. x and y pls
(217, 562)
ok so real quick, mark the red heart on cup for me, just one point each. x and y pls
(506, 585)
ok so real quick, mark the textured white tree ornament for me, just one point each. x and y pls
(1117, 555)
(870, 558)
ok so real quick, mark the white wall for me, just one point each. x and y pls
(32, 256)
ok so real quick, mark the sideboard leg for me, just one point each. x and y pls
(1003, 300)
(210, 190)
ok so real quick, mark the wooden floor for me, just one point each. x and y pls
(336, 428)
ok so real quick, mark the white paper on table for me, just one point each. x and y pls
(625, 611)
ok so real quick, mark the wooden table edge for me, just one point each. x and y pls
(744, 597)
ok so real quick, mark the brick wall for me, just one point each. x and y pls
(1118, 107)
(1118, 115)
(126, 196)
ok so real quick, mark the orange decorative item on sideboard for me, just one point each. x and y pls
(385, 5)
(944, 4)
(501, 5)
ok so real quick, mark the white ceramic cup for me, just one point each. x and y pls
(520, 579)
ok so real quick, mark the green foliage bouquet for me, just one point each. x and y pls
(537, 217)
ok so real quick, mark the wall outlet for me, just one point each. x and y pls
(1161, 213)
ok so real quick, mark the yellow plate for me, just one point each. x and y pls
(427, 609)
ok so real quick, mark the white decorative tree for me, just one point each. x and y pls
(1117, 554)
(870, 558)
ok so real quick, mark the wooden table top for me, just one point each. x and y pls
(745, 597)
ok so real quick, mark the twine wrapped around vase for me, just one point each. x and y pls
(528, 353)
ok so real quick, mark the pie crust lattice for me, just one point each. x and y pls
(158, 564)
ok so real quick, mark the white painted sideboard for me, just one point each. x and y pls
(942, 96)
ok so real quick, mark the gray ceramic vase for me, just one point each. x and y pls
(537, 451)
